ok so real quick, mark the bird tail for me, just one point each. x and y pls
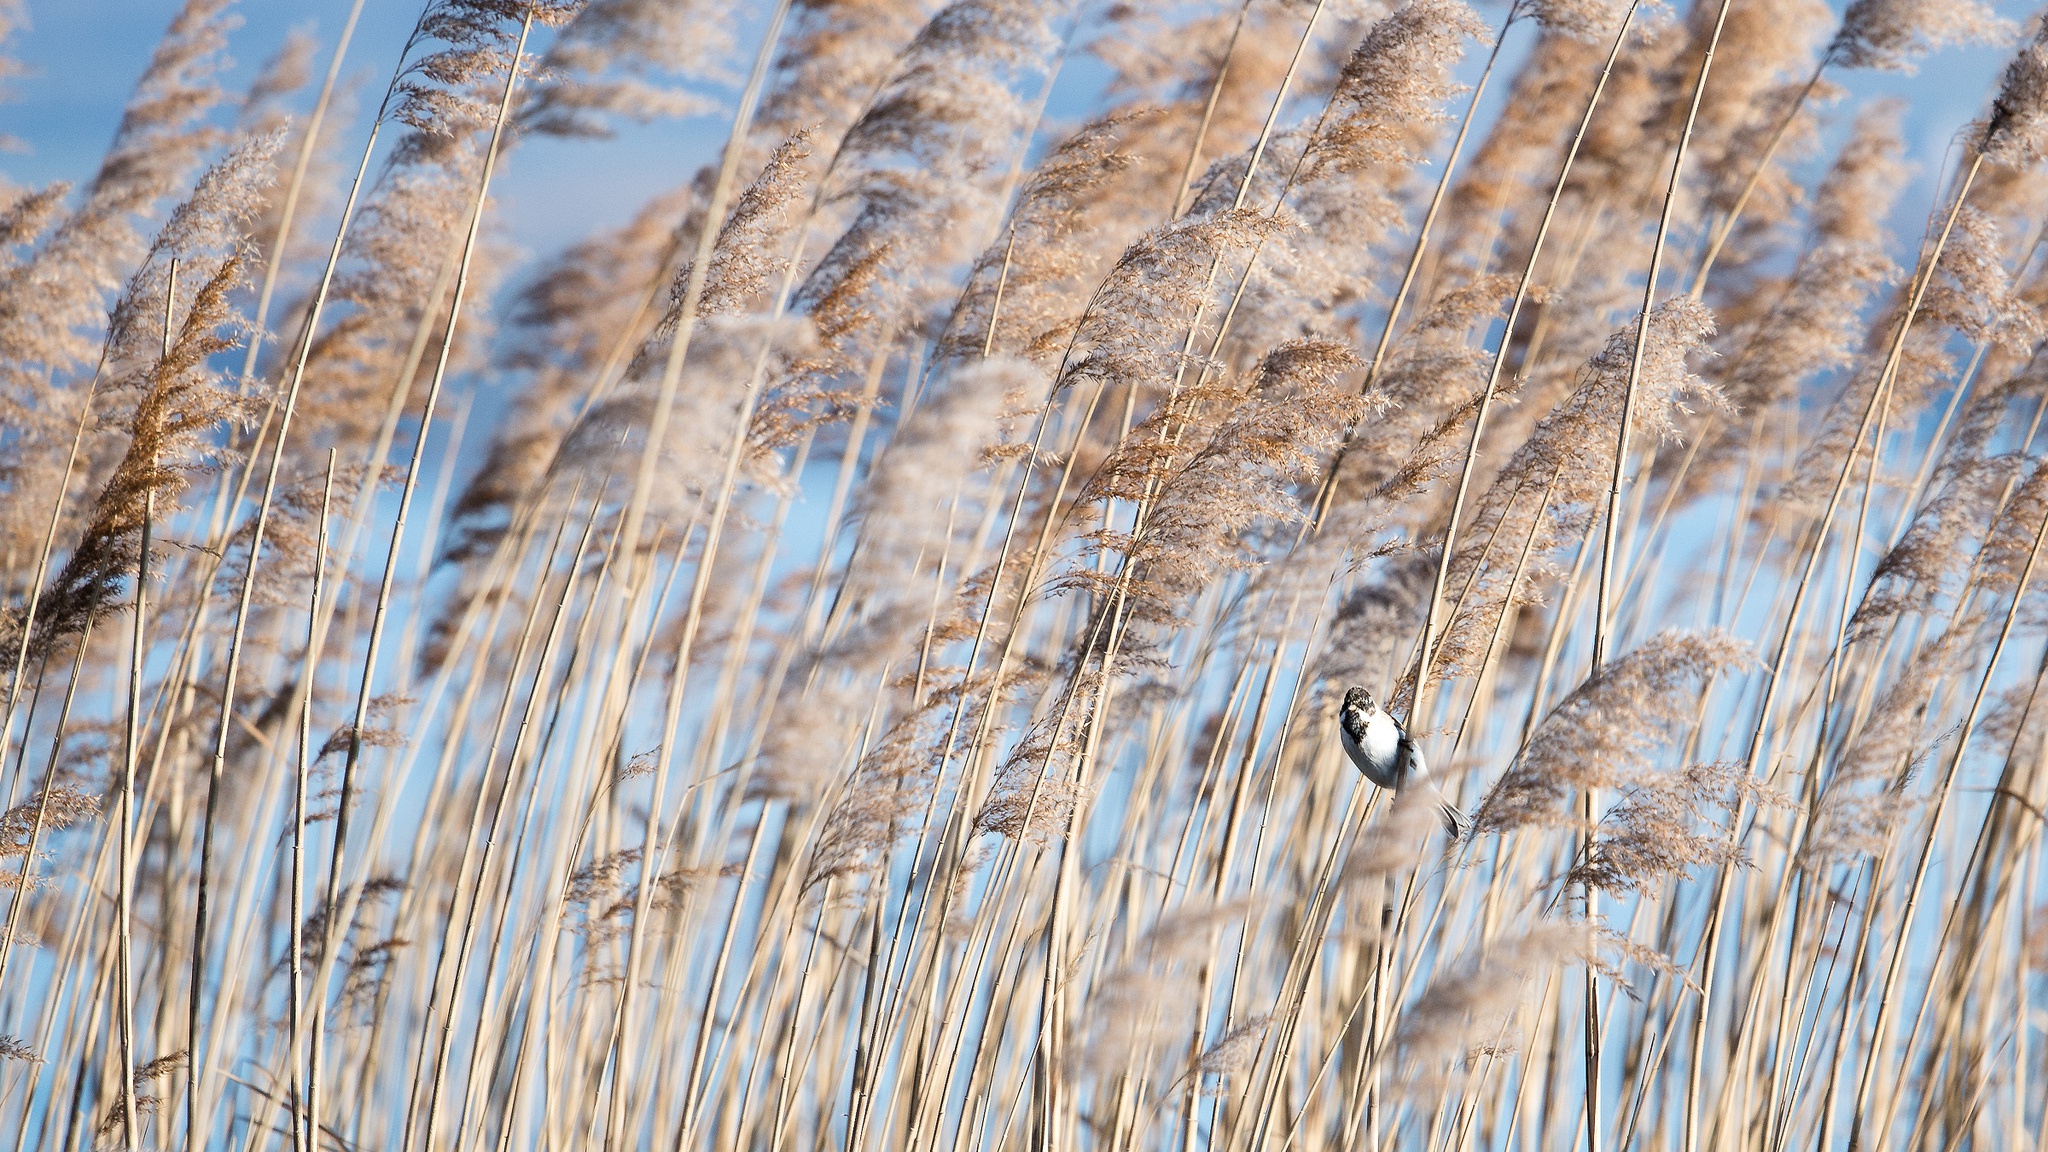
(1455, 822)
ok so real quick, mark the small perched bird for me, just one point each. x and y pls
(1386, 755)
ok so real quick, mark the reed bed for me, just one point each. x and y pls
(851, 657)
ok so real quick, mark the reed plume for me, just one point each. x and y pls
(852, 654)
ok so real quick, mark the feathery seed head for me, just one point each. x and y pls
(1589, 20)
(1604, 732)
(1890, 35)
(2016, 132)
(1395, 80)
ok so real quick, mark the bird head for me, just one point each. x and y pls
(1359, 699)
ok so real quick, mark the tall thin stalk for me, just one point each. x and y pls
(1875, 1056)
(27, 631)
(124, 913)
(1430, 639)
(196, 1101)
(1590, 801)
(636, 509)
(303, 1136)
(1775, 677)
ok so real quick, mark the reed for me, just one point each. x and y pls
(850, 657)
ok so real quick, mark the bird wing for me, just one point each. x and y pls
(1408, 762)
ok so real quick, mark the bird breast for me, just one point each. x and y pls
(1382, 740)
(1375, 748)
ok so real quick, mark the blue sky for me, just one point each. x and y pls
(85, 55)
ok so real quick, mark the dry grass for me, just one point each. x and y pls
(873, 681)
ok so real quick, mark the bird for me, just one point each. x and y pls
(1386, 755)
